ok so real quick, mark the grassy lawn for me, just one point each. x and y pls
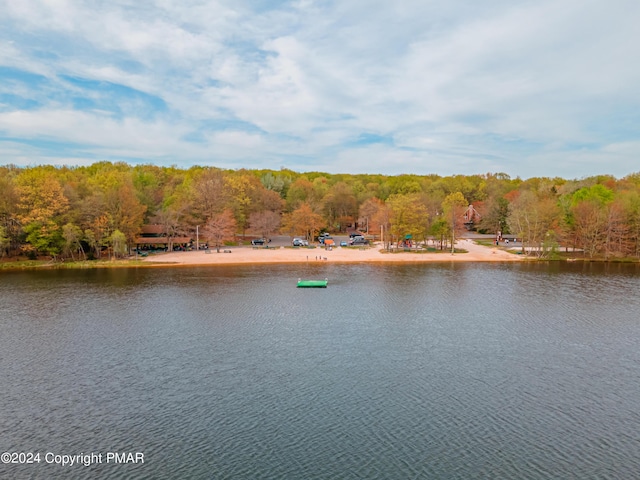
(421, 251)
(20, 264)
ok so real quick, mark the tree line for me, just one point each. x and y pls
(85, 211)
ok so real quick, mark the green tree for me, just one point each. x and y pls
(90, 238)
(494, 215)
(118, 242)
(72, 235)
(4, 241)
(409, 217)
(454, 205)
(440, 230)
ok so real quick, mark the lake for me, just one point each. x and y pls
(452, 371)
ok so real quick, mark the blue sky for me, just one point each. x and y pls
(528, 88)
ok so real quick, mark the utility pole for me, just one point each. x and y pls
(453, 228)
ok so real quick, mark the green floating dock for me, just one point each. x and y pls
(313, 283)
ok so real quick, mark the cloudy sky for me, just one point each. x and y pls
(528, 88)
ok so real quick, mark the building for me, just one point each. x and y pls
(154, 237)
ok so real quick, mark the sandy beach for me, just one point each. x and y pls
(249, 255)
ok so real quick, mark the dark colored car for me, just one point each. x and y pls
(359, 241)
(259, 241)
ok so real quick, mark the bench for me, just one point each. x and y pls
(207, 251)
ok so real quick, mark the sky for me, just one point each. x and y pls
(543, 88)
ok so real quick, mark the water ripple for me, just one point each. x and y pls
(439, 371)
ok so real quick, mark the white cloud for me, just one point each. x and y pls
(536, 87)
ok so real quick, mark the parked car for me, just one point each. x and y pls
(300, 242)
(260, 241)
(343, 243)
(359, 241)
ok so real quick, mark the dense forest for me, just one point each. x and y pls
(85, 211)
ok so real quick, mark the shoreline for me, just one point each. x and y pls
(263, 256)
(244, 255)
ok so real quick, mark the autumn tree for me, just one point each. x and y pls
(629, 203)
(41, 202)
(98, 233)
(340, 205)
(494, 215)
(300, 191)
(368, 213)
(616, 229)
(241, 190)
(303, 221)
(269, 200)
(209, 194)
(37, 202)
(9, 206)
(589, 216)
(382, 217)
(220, 228)
(113, 204)
(124, 210)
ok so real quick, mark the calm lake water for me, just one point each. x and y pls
(393, 372)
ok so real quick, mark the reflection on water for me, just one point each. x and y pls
(432, 371)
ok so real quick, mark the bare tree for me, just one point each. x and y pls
(265, 222)
(172, 220)
(531, 219)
